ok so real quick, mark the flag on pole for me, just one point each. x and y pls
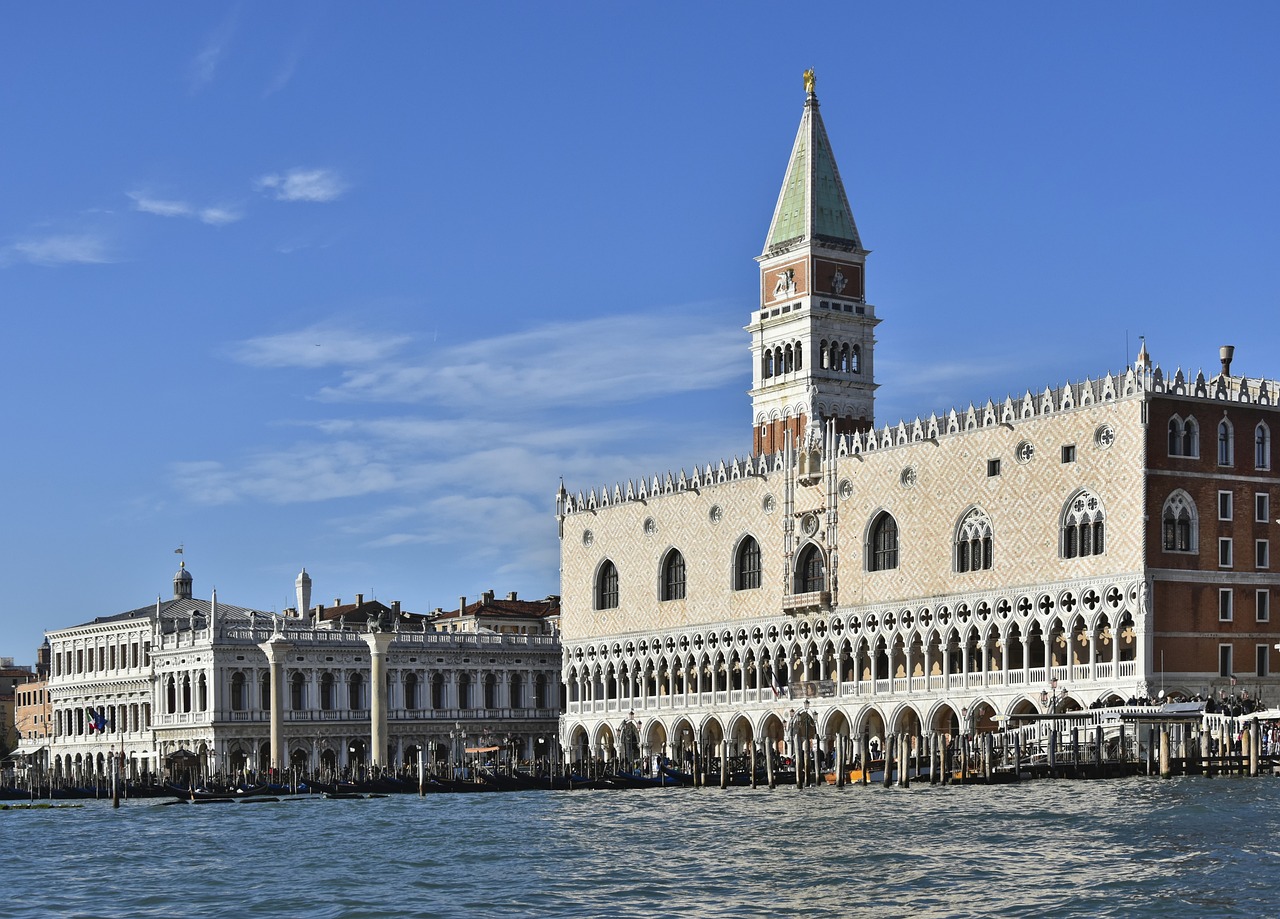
(178, 551)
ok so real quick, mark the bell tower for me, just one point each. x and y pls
(813, 336)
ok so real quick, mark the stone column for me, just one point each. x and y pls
(275, 649)
(378, 643)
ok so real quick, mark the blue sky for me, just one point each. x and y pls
(351, 286)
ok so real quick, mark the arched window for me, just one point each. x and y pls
(824, 359)
(355, 692)
(1226, 444)
(297, 692)
(855, 360)
(811, 572)
(490, 691)
(1175, 436)
(607, 586)
(264, 692)
(834, 362)
(766, 364)
(464, 690)
(1180, 523)
(1082, 526)
(516, 690)
(1262, 446)
(326, 691)
(883, 544)
(673, 576)
(437, 691)
(844, 358)
(788, 360)
(799, 356)
(540, 691)
(411, 691)
(746, 566)
(171, 696)
(1190, 438)
(237, 692)
(974, 542)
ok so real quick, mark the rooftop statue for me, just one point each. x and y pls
(809, 80)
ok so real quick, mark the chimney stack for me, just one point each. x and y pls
(511, 596)
(1226, 353)
(359, 599)
(462, 605)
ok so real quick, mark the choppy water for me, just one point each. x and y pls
(1132, 847)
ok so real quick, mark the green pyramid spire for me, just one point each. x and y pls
(812, 205)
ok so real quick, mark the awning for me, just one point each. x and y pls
(482, 749)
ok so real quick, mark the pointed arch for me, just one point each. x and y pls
(606, 589)
(974, 541)
(882, 543)
(1180, 523)
(811, 570)
(1191, 438)
(672, 586)
(746, 564)
(1262, 446)
(1082, 526)
(1226, 443)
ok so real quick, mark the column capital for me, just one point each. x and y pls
(378, 642)
(275, 646)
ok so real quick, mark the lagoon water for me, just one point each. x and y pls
(1129, 847)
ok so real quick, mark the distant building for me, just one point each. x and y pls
(1077, 544)
(11, 676)
(230, 688)
(510, 616)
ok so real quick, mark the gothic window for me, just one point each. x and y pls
(1262, 446)
(1190, 438)
(1179, 523)
(810, 571)
(1226, 443)
(411, 691)
(607, 586)
(883, 544)
(673, 576)
(297, 692)
(974, 542)
(1175, 436)
(746, 566)
(1083, 526)
(326, 692)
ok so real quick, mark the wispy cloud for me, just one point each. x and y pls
(318, 346)
(204, 66)
(483, 449)
(315, 185)
(217, 215)
(614, 359)
(70, 249)
(282, 76)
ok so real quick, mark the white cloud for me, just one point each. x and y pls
(204, 66)
(607, 360)
(317, 346)
(161, 207)
(316, 185)
(83, 249)
(219, 216)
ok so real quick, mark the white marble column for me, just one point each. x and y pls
(275, 649)
(378, 643)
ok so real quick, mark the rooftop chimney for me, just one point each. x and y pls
(1226, 352)
(462, 604)
(486, 598)
(511, 596)
(359, 599)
